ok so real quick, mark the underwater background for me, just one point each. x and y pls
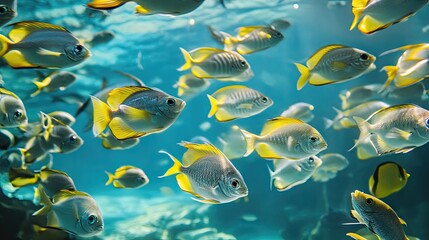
(148, 47)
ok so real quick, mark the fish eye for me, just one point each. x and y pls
(369, 201)
(243, 63)
(17, 114)
(311, 159)
(427, 123)
(364, 56)
(171, 102)
(235, 183)
(3, 9)
(92, 219)
(264, 99)
(78, 49)
(73, 138)
(314, 139)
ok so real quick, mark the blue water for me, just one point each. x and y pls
(292, 214)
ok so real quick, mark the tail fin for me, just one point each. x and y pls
(176, 168)
(106, 4)
(40, 86)
(4, 45)
(305, 75)
(271, 177)
(329, 123)
(111, 178)
(45, 201)
(364, 128)
(102, 116)
(357, 8)
(188, 59)
(213, 104)
(391, 74)
(250, 142)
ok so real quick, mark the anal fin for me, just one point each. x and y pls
(122, 131)
(265, 151)
(16, 60)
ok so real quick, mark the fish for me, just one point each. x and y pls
(12, 110)
(8, 11)
(249, 39)
(189, 86)
(233, 144)
(380, 14)
(54, 82)
(51, 233)
(72, 211)
(335, 63)
(416, 91)
(207, 174)
(290, 173)
(388, 178)
(41, 45)
(368, 235)
(378, 217)
(357, 95)
(285, 138)
(395, 129)
(7, 139)
(12, 158)
(36, 149)
(301, 111)
(412, 67)
(216, 63)
(110, 142)
(280, 24)
(150, 7)
(344, 119)
(101, 38)
(35, 128)
(127, 177)
(237, 101)
(331, 164)
(135, 111)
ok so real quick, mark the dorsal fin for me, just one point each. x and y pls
(66, 194)
(7, 92)
(23, 29)
(317, 56)
(200, 54)
(118, 95)
(46, 172)
(277, 122)
(243, 31)
(197, 151)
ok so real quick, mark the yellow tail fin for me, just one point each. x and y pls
(188, 59)
(391, 74)
(40, 86)
(176, 168)
(213, 104)
(102, 116)
(106, 4)
(4, 45)
(305, 75)
(250, 142)
(357, 12)
(45, 201)
(111, 178)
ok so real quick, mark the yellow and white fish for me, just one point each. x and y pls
(388, 178)
(127, 177)
(395, 129)
(135, 111)
(216, 63)
(189, 86)
(207, 174)
(149, 7)
(380, 14)
(334, 63)
(232, 102)
(285, 138)
(12, 110)
(301, 111)
(54, 82)
(357, 95)
(331, 164)
(288, 173)
(41, 45)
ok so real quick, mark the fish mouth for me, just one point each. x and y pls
(356, 194)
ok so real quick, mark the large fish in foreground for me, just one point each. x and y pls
(135, 111)
(41, 45)
(388, 178)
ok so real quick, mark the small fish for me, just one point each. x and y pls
(189, 86)
(280, 24)
(380, 14)
(8, 11)
(216, 63)
(101, 38)
(344, 119)
(127, 177)
(232, 102)
(301, 111)
(233, 144)
(110, 142)
(395, 129)
(41, 45)
(285, 138)
(331, 164)
(361, 94)
(379, 217)
(63, 117)
(388, 178)
(35, 128)
(289, 174)
(12, 110)
(7, 139)
(412, 67)
(150, 7)
(12, 158)
(333, 64)
(54, 82)
(416, 91)
(134, 111)
(72, 211)
(207, 174)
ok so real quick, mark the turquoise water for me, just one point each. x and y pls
(148, 212)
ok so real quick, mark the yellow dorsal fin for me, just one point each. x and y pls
(315, 58)
(66, 194)
(45, 173)
(226, 89)
(197, 151)
(122, 170)
(118, 95)
(278, 122)
(243, 31)
(23, 29)
(7, 92)
(200, 54)
(402, 221)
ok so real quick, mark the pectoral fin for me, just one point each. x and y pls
(396, 133)
(46, 52)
